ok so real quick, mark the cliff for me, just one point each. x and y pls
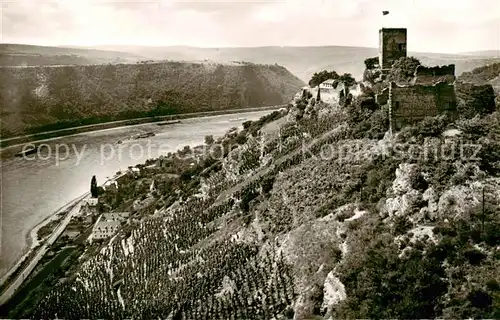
(35, 99)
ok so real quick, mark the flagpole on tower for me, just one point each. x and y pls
(384, 13)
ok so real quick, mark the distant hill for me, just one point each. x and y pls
(482, 74)
(484, 53)
(36, 99)
(30, 55)
(301, 61)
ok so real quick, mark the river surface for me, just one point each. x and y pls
(33, 188)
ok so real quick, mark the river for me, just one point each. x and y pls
(35, 187)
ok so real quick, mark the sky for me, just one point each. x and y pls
(447, 26)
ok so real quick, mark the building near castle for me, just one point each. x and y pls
(430, 92)
(107, 225)
(334, 91)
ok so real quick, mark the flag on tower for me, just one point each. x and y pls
(385, 12)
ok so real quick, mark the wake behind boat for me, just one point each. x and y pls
(144, 135)
(237, 119)
(168, 122)
(27, 151)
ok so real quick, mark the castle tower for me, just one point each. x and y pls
(392, 46)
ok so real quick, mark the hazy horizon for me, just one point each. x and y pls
(433, 26)
(110, 47)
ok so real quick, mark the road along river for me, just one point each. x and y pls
(33, 188)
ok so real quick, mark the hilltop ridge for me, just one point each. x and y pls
(303, 61)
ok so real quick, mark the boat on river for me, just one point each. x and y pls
(168, 122)
(144, 135)
(237, 119)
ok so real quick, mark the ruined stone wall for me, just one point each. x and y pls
(432, 75)
(414, 103)
(392, 46)
(383, 97)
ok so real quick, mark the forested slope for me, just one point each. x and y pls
(37, 99)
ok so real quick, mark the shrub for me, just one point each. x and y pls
(371, 63)
(347, 79)
(209, 139)
(241, 138)
(247, 195)
(247, 124)
(267, 184)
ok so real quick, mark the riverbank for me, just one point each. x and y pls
(14, 141)
(35, 246)
(37, 249)
(34, 190)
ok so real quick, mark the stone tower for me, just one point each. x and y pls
(392, 46)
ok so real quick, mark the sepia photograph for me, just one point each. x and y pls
(250, 159)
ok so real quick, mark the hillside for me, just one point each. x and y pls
(38, 99)
(316, 212)
(486, 74)
(31, 55)
(302, 61)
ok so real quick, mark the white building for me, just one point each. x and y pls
(329, 84)
(107, 225)
(333, 90)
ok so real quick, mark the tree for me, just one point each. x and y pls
(209, 139)
(318, 78)
(246, 125)
(370, 63)
(93, 187)
(347, 79)
(403, 69)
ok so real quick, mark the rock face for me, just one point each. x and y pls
(36, 99)
(334, 292)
